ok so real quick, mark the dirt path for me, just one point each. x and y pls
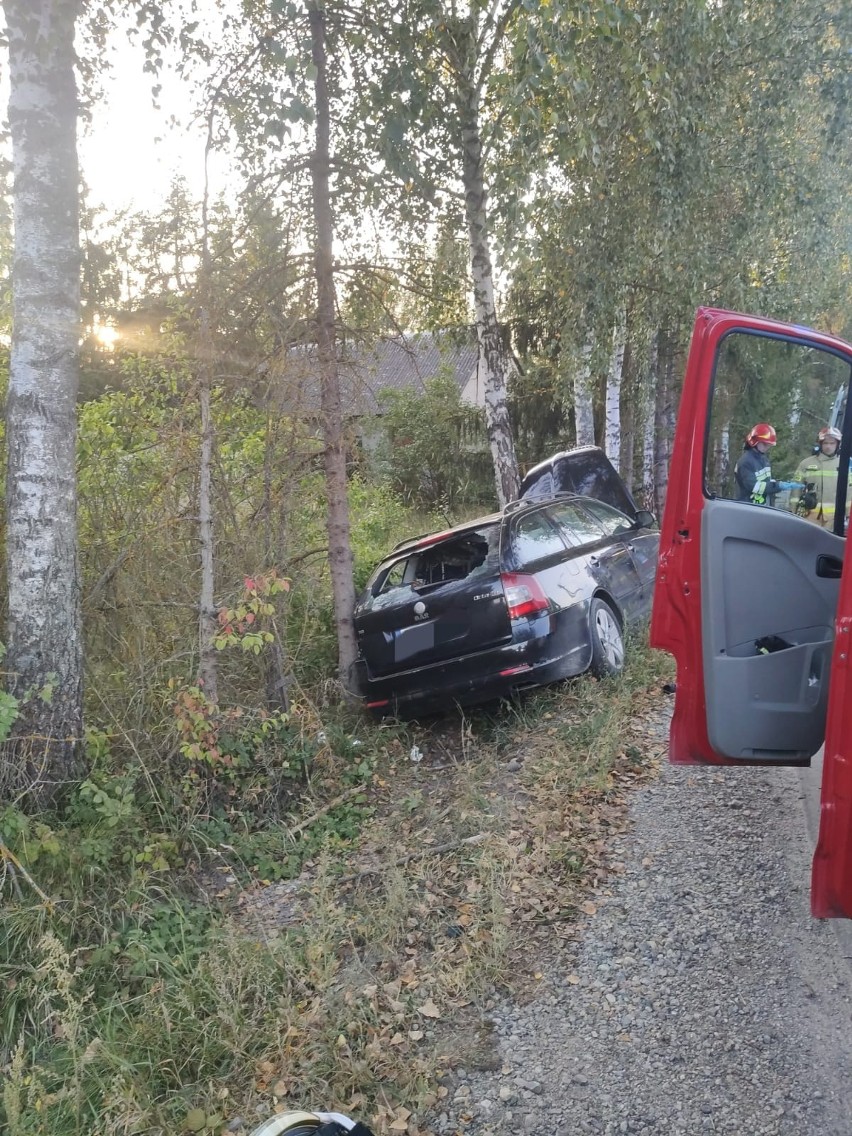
(700, 998)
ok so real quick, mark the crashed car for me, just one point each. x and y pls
(541, 591)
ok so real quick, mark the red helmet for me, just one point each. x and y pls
(829, 433)
(762, 432)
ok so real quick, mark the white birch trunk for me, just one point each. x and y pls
(584, 413)
(208, 667)
(337, 521)
(664, 422)
(649, 432)
(615, 374)
(207, 664)
(723, 460)
(493, 356)
(44, 663)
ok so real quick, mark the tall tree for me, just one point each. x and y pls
(339, 546)
(44, 660)
(430, 69)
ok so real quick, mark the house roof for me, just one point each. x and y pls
(404, 363)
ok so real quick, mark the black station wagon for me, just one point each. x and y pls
(539, 592)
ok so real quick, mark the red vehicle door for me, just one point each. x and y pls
(747, 596)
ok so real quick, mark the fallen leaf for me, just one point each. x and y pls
(574, 979)
(430, 1010)
(589, 907)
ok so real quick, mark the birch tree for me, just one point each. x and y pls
(615, 374)
(44, 659)
(584, 408)
(430, 76)
(339, 546)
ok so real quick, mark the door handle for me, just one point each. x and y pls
(829, 567)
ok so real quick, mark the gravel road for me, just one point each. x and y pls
(701, 998)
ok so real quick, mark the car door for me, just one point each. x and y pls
(641, 545)
(748, 597)
(606, 555)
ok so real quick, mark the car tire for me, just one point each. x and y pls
(607, 640)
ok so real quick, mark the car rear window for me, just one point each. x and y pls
(475, 552)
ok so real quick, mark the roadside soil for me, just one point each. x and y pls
(642, 960)
(701, 997)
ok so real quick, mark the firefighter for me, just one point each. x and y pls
(818, 474)
(753, 472)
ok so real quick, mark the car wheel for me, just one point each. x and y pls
(607, 640)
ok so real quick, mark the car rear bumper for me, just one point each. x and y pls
(494, 673)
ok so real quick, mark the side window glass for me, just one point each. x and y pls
(776, 423)
(534, 538)
(613, 521)
(577, 525)
(394, 578)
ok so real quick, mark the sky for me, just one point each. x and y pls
(128, 153)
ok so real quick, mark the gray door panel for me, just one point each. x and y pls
(758, 581)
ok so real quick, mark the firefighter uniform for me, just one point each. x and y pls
(754, 478)
(819, 471)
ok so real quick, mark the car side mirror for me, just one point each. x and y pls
(645, 520)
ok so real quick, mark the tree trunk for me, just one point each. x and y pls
(208, 663)
(207, 660)
(612, 443)
(664, 414)
(722, 461)
(493, 357)
(339, 545)
(584, 408)
(649, 433)
(276, 669)
(629, 423)
(45, 658)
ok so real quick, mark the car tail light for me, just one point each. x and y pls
(523, 595)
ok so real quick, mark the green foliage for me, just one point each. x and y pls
(436, 449)
(244, 626)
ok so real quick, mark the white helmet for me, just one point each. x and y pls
(310, 1124)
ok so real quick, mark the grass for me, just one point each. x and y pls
(132, 1006)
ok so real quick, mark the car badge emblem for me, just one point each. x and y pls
(419, 607)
